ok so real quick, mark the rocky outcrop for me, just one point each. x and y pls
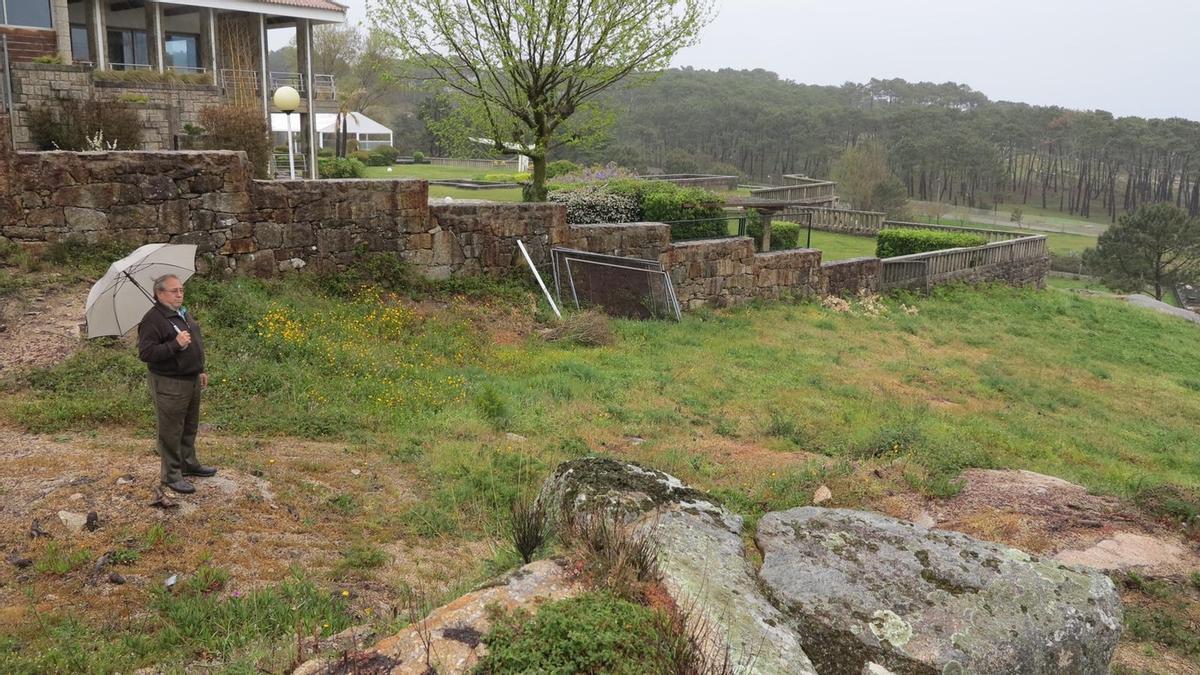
(862, 588)
(700, 556)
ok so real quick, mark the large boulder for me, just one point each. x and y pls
(700, 556)
(864, 588)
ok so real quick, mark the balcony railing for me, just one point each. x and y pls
(234, 80)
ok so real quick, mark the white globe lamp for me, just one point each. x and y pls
(287, 100)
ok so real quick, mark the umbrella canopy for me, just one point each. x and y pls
(122, 296)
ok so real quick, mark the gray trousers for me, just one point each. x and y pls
(177, 405)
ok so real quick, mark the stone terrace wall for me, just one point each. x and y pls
(259, 227)
(1028, 272)
(713, 272)
(792, 273)
(482, 239)
(169, 106)
(647, 241)
(851, 277)
(845, 221)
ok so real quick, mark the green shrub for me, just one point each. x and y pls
(235, 127)
(48, 59)
(323, 152)
(361, 155)
(903, 241)
(341, 167)
(383, 156)
(784, 235)
(70, 123)
(153, 77)
(629, 200)
(418, 157)
(593, 633)
(561, 168)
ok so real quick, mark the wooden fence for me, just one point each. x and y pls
(834, 220)
(993, 262)
(990, 235)
(473, 163)
(816, 192)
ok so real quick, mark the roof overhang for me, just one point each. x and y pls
(271, 9)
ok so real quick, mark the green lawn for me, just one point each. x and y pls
(440, 192)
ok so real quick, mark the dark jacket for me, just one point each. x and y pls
(158, 348)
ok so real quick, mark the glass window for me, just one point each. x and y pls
(183, 51)
(127, 48)
(34, 13)
(80, 49)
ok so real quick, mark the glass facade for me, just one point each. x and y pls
(127, 49)
(32, 13)
(182, 51)
(81, 51)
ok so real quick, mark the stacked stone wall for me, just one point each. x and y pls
(166, 109)
(647, 241)
(783, 274)
(1028, 272)
(711, 272)
(851, 277)
(260, 227)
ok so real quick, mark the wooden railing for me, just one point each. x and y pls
(811, 191)
(990, 235)
(836, 220)
(922, 271)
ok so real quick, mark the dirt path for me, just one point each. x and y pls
(41, 326)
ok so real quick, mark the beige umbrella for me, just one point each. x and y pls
(122, 296)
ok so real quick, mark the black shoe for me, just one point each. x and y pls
(202, 471)
(182, 487)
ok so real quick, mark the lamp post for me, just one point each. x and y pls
(287, 100)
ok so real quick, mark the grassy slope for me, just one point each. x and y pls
(1087, 389)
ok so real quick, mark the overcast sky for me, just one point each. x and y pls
(1130, 58)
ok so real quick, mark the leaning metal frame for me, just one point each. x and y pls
(569, 255)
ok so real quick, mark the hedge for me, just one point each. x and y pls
(784, 235)
(892, 243)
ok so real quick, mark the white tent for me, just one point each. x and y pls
(368, 132)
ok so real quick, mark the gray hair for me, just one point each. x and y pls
(160, 284)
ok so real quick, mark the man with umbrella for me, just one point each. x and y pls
(170, 342)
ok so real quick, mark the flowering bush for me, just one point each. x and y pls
(595, 204)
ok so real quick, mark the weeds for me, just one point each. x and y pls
(529, 527)
(362, 556)
(494, 409)
(59, 560)
(587, 328)
(615, 557)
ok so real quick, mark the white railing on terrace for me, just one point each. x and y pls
(324, 88)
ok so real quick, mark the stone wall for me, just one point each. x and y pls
(647, 241)
(168, 106)
(851, 277)
(482, 239)
(711, 272)
(259, 227)
(1028, 272)
(782, 274)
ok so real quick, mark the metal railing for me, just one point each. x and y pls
(922, 271)
(717, 227)
(231, 79)
(6, 102)
(990, 235)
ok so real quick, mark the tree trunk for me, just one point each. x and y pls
(537, 190)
